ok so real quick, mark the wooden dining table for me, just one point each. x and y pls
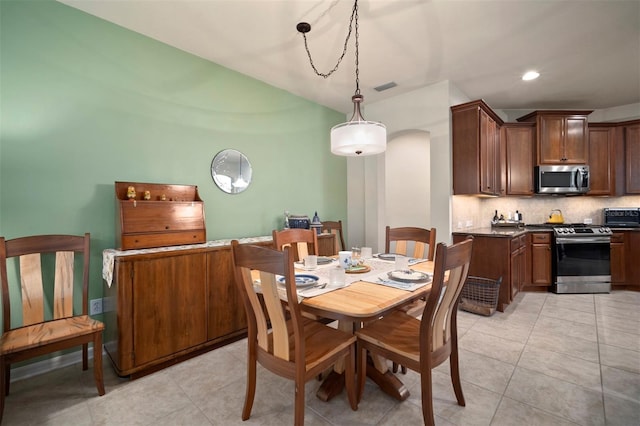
(355, 305)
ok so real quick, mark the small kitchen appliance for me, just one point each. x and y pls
(628, 217)
(556, 217)
(562, 179)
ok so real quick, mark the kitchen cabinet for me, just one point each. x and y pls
(168, 305)
(618, 269)
(561, 136)
(518, 143)
(540, 243)
(632, 254)
(632, 157)
(476, 149)
(498, 256)
(518, 264)
(602, 159)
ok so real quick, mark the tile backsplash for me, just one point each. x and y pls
(475, 212)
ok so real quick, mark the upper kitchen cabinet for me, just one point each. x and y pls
(632, 156)
(561, 136)
(518, 144)
(476, 149)
(602, 159)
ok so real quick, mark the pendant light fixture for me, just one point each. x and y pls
(356, 137)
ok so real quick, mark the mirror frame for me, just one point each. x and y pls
(231, 171)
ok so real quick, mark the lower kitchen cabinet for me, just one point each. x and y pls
(540, 243)
(167, 306)
(499, 256)
(618, 270)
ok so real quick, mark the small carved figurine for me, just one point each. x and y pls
(131, 193)
(147, 195)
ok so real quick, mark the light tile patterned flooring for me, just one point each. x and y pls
(549, 360)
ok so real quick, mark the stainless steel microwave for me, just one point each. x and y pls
(562, 179)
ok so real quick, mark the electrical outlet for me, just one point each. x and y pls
(469, 223)
(95, 306)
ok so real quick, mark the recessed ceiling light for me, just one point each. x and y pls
(530, 75)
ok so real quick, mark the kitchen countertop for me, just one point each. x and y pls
(506, 232)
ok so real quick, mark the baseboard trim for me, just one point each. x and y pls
(49, 364)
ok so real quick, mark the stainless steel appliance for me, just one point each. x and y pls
(562, 179)
(581, 259)
(627, 217)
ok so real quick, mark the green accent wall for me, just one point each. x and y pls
(85, 103)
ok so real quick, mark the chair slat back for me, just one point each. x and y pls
(450, 273)
(63, 290)
(335, 228)
(423, 240)
(28, 252)
(32, 289)
(302, 241)
(269, 263)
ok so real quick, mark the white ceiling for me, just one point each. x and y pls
(587, 51)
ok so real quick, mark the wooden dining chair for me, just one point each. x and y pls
(43, 266)
(302, 241)
(424, 241)
(424, 244)
(295, 348)
(422, 345)
(335, 227)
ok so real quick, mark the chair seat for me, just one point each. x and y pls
(322, 342)
(46, 333)
(397, 332)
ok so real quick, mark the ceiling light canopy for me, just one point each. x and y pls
(356, 137)
(530, 75)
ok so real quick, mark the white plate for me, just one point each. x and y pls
(408, 276)
(302, 280)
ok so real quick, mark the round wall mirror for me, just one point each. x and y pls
(231, 171)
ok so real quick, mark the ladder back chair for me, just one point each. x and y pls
(295, 348)
(422, 345)
(335, 227)
(43, 265)
(424, 241)
(302, 241)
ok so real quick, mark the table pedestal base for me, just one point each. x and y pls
(388, 382)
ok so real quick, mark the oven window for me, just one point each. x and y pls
(582, 259)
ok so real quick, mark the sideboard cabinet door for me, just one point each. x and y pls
(169, 305)
(226, 311)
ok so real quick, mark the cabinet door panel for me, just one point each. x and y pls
(600, 160)
(226, 311)
(169, 297)
(575, 141)
(519, 151)
(550, 149)
(632, 155)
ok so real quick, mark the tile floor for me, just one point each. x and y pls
(549, 360)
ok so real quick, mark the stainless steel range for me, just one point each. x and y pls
(581, 259)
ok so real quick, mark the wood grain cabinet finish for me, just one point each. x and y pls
(632, 157)
(476, 149)
(540, 259)
(561, 136)
(173, 215)
(495, 257)
(518, 143)
(617, 255)
(171, 305)
(602, 159)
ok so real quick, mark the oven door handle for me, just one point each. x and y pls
(583, 240)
